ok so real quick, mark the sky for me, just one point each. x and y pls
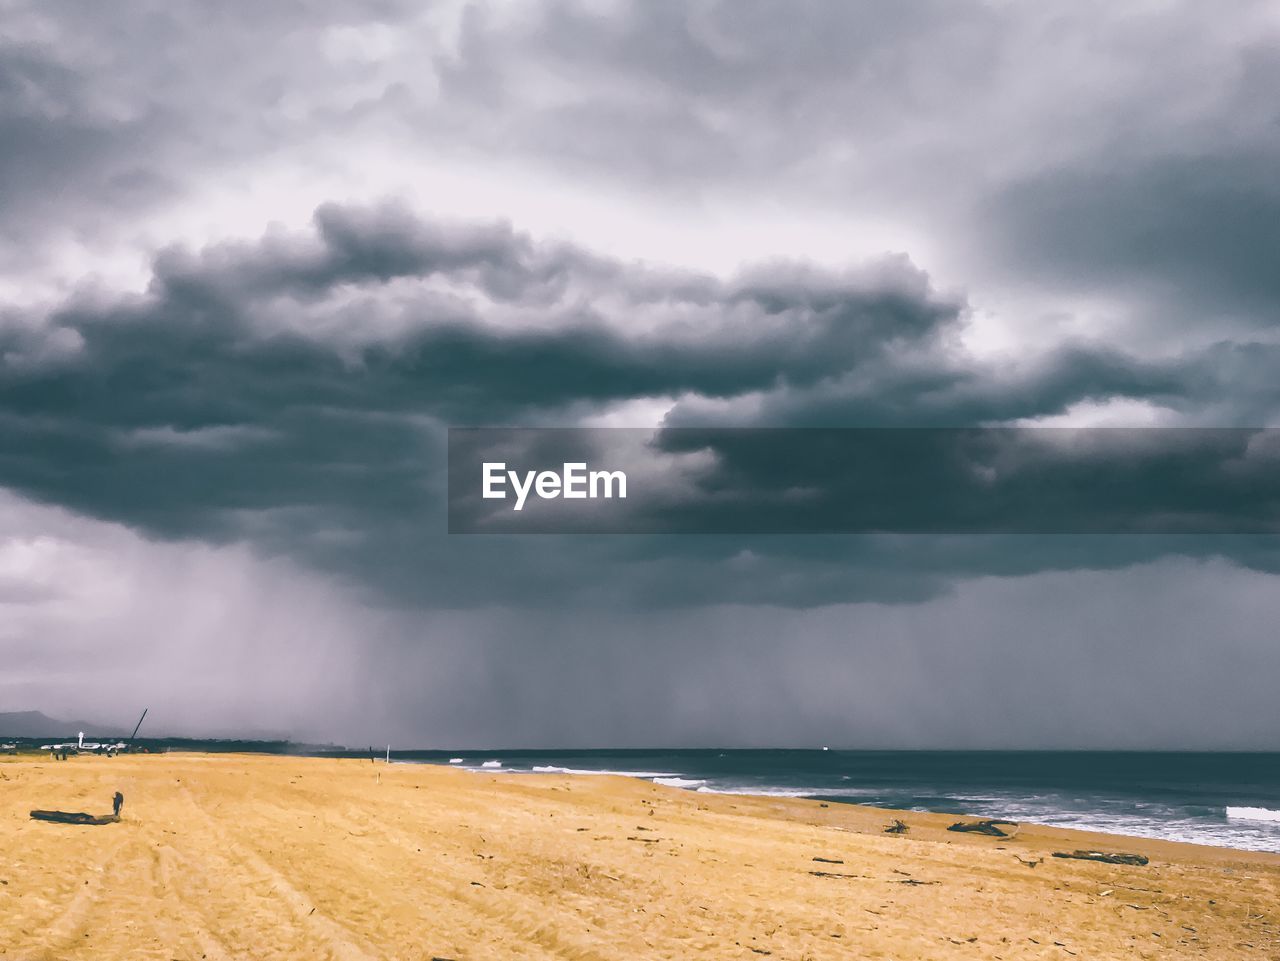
(254, 266)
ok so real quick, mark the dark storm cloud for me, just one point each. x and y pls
(1200, 234)
(199, 353)
(184, 413)
(1233, 381)
(193, 410)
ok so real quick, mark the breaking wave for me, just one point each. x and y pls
(1254, 814)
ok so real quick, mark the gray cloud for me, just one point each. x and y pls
(59, 150)
(1107, 152)
(1099, 183)
(1089, 153)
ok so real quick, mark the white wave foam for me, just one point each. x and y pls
(1254, 814)
(552, 769)
(685, 782)
(805, 792)
(456, 760)
(492, 764)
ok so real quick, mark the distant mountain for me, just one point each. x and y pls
(35, 724)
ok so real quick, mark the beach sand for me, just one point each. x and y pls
(234, 856)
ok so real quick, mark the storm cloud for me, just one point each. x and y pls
(256, 267)
(290, 390)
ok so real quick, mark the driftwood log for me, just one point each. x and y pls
(1105, 858)
(74, 817)
(834, 874)
(991, 827)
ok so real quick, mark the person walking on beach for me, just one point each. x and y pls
(117, 803)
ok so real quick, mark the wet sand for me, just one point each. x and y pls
(233, 856)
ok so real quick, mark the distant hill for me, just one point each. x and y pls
(35, 724)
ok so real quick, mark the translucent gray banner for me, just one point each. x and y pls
(897, 480)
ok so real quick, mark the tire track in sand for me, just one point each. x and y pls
(342, 944)
(67, 927)
(164, 870)
(541, 934)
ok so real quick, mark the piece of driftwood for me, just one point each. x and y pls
(1104, 857)
(74, 817)
(896, 827)
(829, 860)
(990, 827)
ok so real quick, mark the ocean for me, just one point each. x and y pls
(1224, 799)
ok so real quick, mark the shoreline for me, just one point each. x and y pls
(251, 856)
(930, 824)
(661, 779)
(666, 779)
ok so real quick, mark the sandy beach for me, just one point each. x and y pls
(234, 856)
